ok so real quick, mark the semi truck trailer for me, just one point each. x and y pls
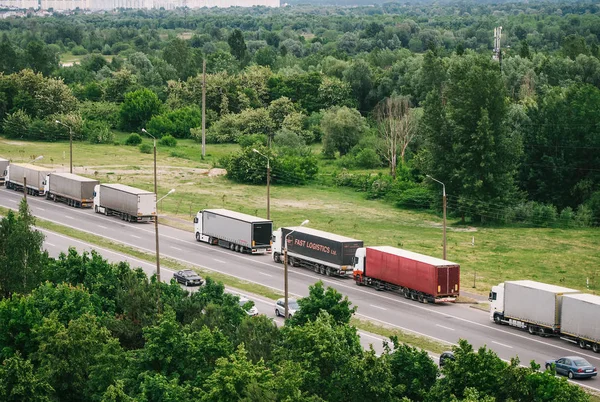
(234, 230)
(548, 310)
(323, 252)
(35, 175)
(129, 203)
(529, 305)
(3, 170)
(417, 276)
(71, 189)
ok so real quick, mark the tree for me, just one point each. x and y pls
(237, 44)
(397, 127)
(342, 129)
(138, 108)
(468, 143)
(259, 335)
(320, 300)
(177, 53)
(19, 382)
(21, 252)
(573, 46)
(265, 56)
(10, 61)
(359, 77)
(413, 371)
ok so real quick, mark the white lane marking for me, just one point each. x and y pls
(103, 227)
(371, 336)
(41, 209)
(380, 308)
(69, 217)
(137, 237)
(262, 273)
(222, 262)
(406, 329)
(50, 244)
(336, 283)
(501, 344)
(12, 200)
(176, 248)
(441, 326)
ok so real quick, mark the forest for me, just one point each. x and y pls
(378, 97)
(77, 328)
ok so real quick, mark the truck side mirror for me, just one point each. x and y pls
(196, 220)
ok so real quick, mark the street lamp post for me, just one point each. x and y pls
(444, 208)
(285, 268)
(268, 182)
(156, 217)
(70, 144)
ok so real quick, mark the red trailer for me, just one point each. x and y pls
(417, 276)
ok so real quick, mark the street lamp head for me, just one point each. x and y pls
(428, 176)
(57, 122)
(144, 131)
(171, 191)
(255, 150)
(305, 222)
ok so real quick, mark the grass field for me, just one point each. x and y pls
(488, 255)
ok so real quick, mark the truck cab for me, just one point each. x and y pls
(496, 299)
(276, 249)
(200, 236)
(97, 206)
(359, 261)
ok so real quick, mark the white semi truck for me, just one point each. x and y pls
(71, 189)
(35, 175)
(129, 203)
(548, 310)
(234, 230)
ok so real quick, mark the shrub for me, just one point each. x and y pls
(177, 123)
(79, 50)
(133, 139)
(168, 141)
(368, 159)
(97, 132)
(415, 198)
(146, 148)
(107, 112)
(251, 140)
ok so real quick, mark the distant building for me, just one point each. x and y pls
(63, 5)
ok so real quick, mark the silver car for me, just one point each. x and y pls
(252, 311)
(292, 307)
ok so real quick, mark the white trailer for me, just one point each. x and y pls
(3, 170)
(529, 305)
(233, 230)
(129, 203)
(580, 320)
(71, 189)
(36, 177)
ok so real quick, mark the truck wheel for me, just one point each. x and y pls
(317, 269)
(322, 270)
(105, 211)
(596, 348)
(276, 258)
(582, 344)
(531, 329)
(420, 298)
(328, 271)
(497, 319)
(197, 236)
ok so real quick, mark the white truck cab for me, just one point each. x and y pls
(359, 260)
(496, 299)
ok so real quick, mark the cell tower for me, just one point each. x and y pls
(497, 51)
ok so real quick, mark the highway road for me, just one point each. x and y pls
(446, 322)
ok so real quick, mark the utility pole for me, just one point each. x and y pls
(70, 144)
(156, 209)
(285, 269)
(497, 49)
(203, 108)
(268, 181)
(25, 188)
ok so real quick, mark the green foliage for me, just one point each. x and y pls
(21, 254)
(168, 141)
(146, 148)
(237, 44)
(19, 382)
(138, 108)
(105, 112)
(232, 126)
(133, 139)
(342, 129)
(97, 132)
(320, 299)
(177, 123)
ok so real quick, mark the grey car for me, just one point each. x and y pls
(292, 307)
(252, 311)
(573, 367)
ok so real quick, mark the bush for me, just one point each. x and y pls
(146, 148)
(368, 159)
(252, 140)
(79, 50)
(415, 198)
(97, 132)
(168, 140)
(133, 139)
(177, 123)
(107, 112)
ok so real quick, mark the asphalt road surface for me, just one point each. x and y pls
(444, 322)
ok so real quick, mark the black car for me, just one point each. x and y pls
(188, 278)
(446, 357)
